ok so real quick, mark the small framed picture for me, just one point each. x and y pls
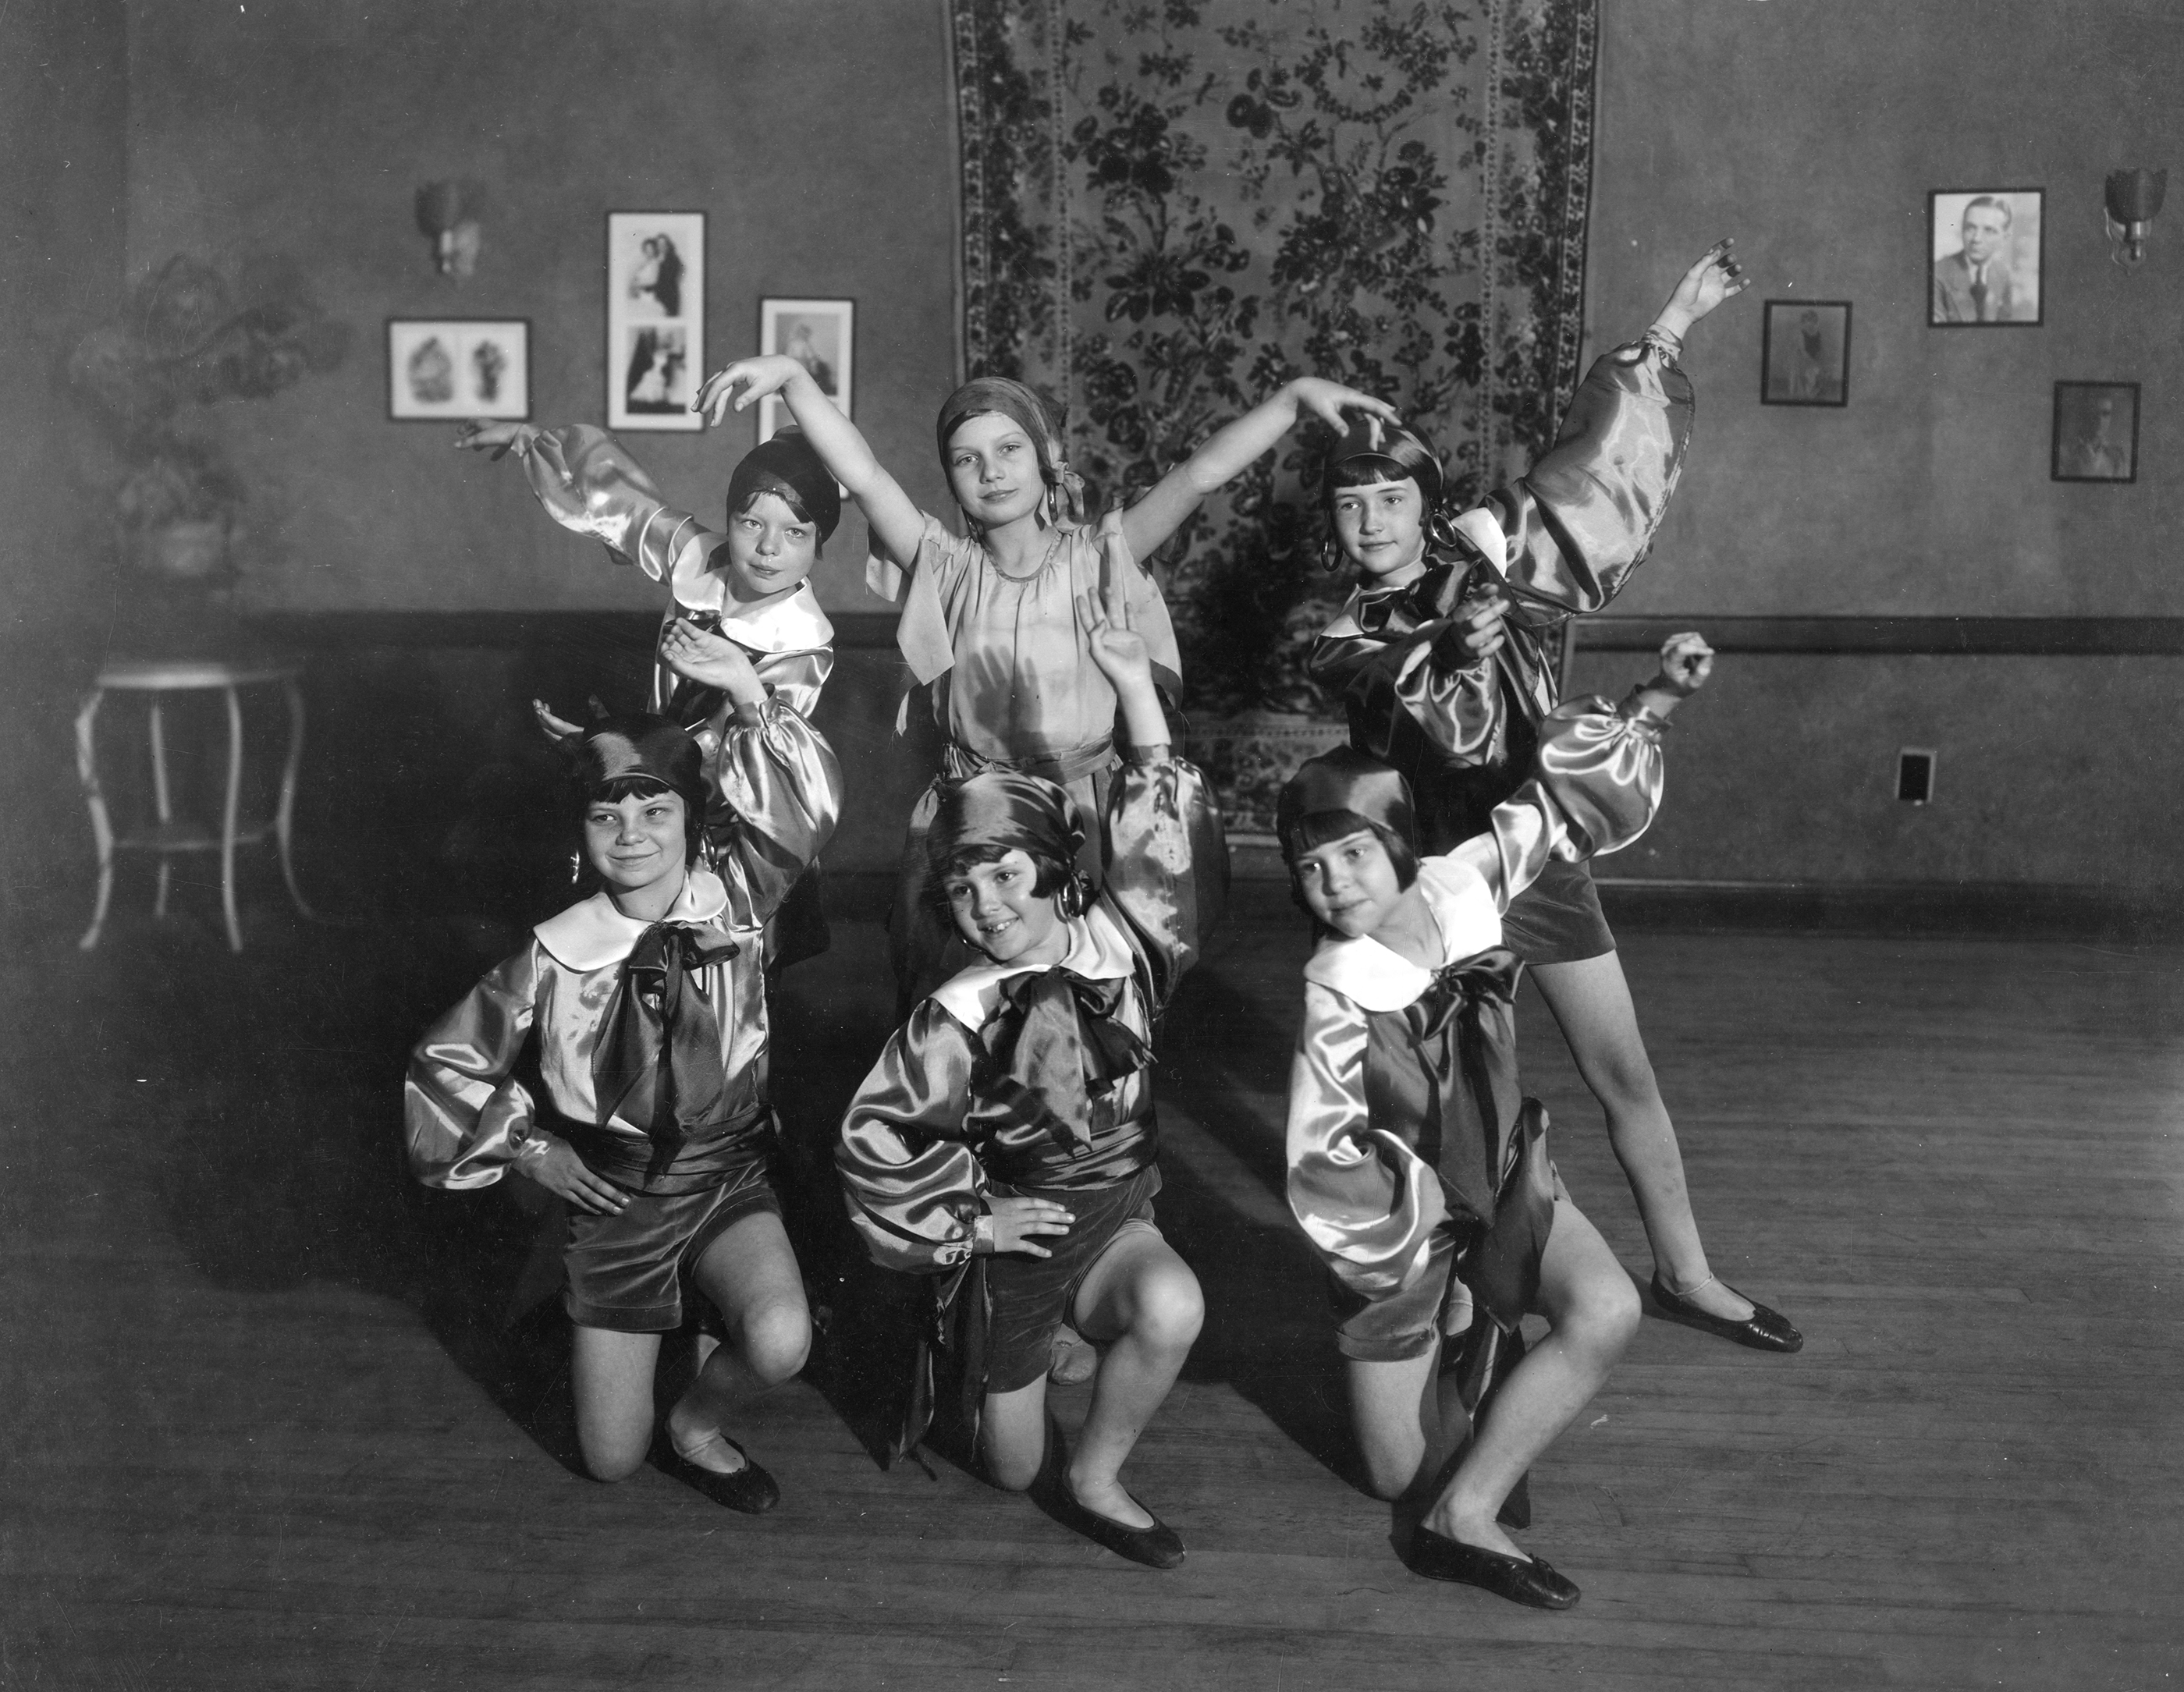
(2096, 431)
(1805, 353)
(655, 353)
(1985, 246)
(819, 334)
(440, 368)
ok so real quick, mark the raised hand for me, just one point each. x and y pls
(480, 436)
(755, 377)
(711, 659)
(1327, 400)
(1686, 661)
(1477, 629)
(556, 729)
(1121, 653)
(1715, 278)
(561, 1172)
(1018, 1222)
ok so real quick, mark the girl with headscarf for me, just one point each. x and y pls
(1445, 659)
(996, 622)
(1416, 1167)
(740, 599)
(647, 1004)
(1005, 1144)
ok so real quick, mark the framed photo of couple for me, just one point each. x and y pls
(655, 354)
(445, 369)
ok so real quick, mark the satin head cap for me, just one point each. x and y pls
(788, 465)
(1342, 787)
(638, 746)
(1393, 450)
(1006, 807)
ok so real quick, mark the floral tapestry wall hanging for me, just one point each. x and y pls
(1170, 208)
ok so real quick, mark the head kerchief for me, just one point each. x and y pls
(1402, 453)
(1344, 781)
(1006, 808)
(787, 465)
(1023, 407)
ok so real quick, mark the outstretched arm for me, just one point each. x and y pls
(896, 523)
(1178, 493)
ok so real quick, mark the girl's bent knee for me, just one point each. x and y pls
(613, 1466)
(1170, 1312)
(775, 1343)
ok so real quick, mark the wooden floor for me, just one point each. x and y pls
(265, 1429)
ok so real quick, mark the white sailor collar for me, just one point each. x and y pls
(1374, 977)
(795, 623)
(591, 934)
(1097, 951)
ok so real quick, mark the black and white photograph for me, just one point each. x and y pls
(2096, 431)
(1806, 356)
(439, 369)
(1987, 247)
(656, 287)
(820, 335)
(1126, 847)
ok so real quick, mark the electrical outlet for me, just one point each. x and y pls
(1914, 775)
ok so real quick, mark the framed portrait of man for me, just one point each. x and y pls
(2096, 431)
(1805, 353)
(1984, 250)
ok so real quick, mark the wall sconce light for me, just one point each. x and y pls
(446, 213)
(2134, 198)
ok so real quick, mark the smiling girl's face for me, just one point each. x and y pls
(1381, 527)
(993, 468)
(997, 911)
(637, 843)
(771, 549)
(1350, 884)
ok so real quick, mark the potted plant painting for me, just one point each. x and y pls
(188, 339)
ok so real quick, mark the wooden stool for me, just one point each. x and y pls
(158, 676)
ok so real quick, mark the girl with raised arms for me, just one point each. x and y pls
(1446, 660)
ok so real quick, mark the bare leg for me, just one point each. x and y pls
(1409, 1421)
(750, 1274)
(1591, 1001)
(1141, 1304)
(1012, 1435)
(611, 1375)
(1592, 1311)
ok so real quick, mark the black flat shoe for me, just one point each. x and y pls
(1521, 1580)
(1159, 1546)
(1764, 1330)
(750, 1488)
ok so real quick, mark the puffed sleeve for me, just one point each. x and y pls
(465, 1116)
(1168, 868)
(914, 1187)
(1574, 526)
(1366, 1201)
(797, 678)
(589, 485)
(925, 632)
(777, 796)
(1594, 786)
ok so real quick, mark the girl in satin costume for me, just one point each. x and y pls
(647, 1003)
(1418, 1169)
(1445, 659)
(741, 598)
(991, 623)
(1005, 1142)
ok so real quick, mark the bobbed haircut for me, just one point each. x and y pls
(620, 788)
(1051, 876)
(1325, 828)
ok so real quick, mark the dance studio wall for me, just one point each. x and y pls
(814, 136)
(1813, 130)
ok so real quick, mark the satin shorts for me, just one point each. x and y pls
(1558, 919)
(1030, 1297)
(632, 1272)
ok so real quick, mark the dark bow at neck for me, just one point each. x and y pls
(1429, 1069)
(658, 1062)
(1053, 1045)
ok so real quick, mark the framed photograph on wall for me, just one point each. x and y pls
(440, 368)
(819, 334)
(656, 353)
(2096, 431)
(1986, 246)
(1805, 356)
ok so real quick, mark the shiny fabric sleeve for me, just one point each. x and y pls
(1580, 521)
(464, 1117)
(1167, 867)
(1367, 1203)
(1594, 786)
(914, 1188)
(590, 486)
(777, 796)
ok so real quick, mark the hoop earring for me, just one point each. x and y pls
(1069, 899)
(1330, 556)
(575, 868)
